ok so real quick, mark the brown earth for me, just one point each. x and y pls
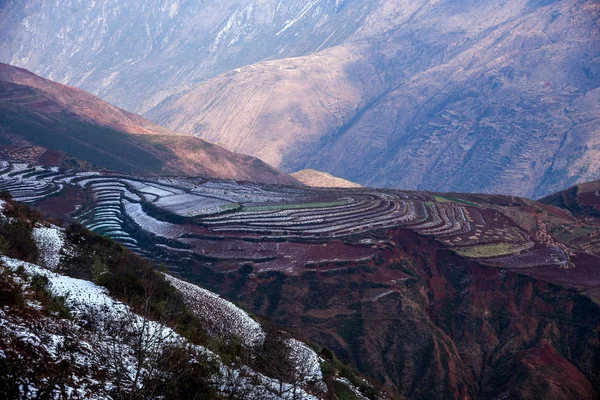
(424, 321)
(430, 324)
(38, 114)
(422, 306)
(480, 297)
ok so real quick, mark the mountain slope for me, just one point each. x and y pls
(433, 295)
(76, 101)
(83, 316)
(134, 54)
(38, 112)
(424, 98)
(432, 95)
(582, 200)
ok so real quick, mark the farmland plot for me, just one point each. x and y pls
(284, 228)
(190, 205)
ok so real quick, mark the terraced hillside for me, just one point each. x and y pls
(427, 293)
(582, 201)
(41, 114)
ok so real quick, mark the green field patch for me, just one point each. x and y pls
(491, 250)
(577, 232)
(296, 206)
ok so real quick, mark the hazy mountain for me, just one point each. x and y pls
(38, 112)
(133, 53)
(471, 97)
(316, 178)
(437, 95)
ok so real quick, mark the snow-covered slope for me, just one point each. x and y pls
(50, 241)
(101, 330)
(222, 316)
(97, 334)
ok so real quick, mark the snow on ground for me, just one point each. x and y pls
(225, 317)
(306, 361)
(228, 319)
(154, 189)
(149, 224)
(85, 299)
(236, 192)
(49, 338)
(50, 241)
(353, 388)
(69, 179)
(79, 294)
(16, 167)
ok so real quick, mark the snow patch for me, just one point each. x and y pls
(50, 241)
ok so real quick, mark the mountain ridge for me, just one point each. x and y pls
(462, 120)
(40, 112)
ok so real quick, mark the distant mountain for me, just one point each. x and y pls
(311, 177)
(38, 112)
(433, 95)
(135, 53)
(478, 97)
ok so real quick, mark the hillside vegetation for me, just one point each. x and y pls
(425, 293)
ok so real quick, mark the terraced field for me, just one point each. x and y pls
(283, 228)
